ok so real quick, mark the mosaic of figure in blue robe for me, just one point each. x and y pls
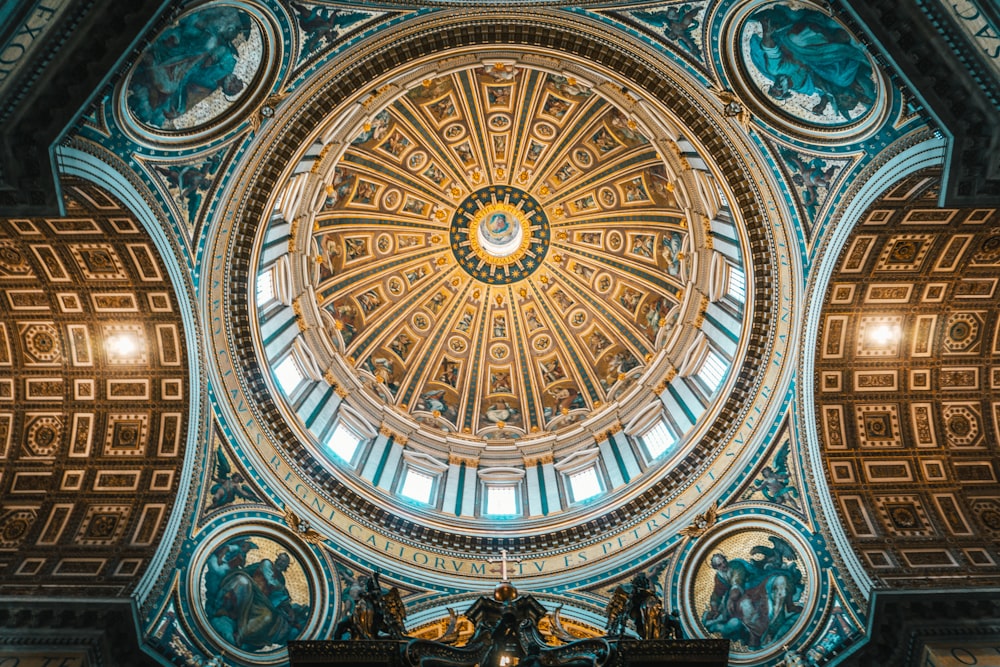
(249, 604)
(805, 51)
(188, 62)
(755, 602)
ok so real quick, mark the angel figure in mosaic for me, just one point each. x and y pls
(499, 96)
(678, 22)
(500, 72)
(672, 253)
(356, 248)
(401, 345)
(322, 25)
(228, 485)
(384, 371)
(375, 129)
(619, 364)
(501, 411)
(775, 481)
(192, 181)
(810, 176)
(566, 399)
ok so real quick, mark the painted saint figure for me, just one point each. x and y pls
(500, 381)
(499, 326)
(192, 59)
(498, 228)
(804, 51)
(598, 342)
(672, 253)
(502, 411)
(499, 96)
(384, 371)
(534, 151)
(401, 345)
(755, 602)
(435, 401)
(250, 604)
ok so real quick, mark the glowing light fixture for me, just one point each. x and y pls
(883, 335)
(123, 345)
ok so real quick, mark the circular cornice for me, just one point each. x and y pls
(721, 441)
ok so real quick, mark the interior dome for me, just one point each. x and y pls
(501, 252)
(504, 283)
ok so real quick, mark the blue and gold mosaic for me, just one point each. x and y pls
(499, 235)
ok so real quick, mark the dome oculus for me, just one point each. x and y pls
(499, 235)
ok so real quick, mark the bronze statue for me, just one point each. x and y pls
(372, 613)
(506, 631)
(637, 602)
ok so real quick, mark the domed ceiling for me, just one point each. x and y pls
(509, 250)
(502, 266)
(501, 250)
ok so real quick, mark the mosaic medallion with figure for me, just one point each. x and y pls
(499, 235)
(255, 593)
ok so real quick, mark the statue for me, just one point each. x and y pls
(507, 630)
(672, 628)
(638, 602)
(372, 614)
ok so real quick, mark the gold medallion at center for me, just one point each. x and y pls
(499, 233)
